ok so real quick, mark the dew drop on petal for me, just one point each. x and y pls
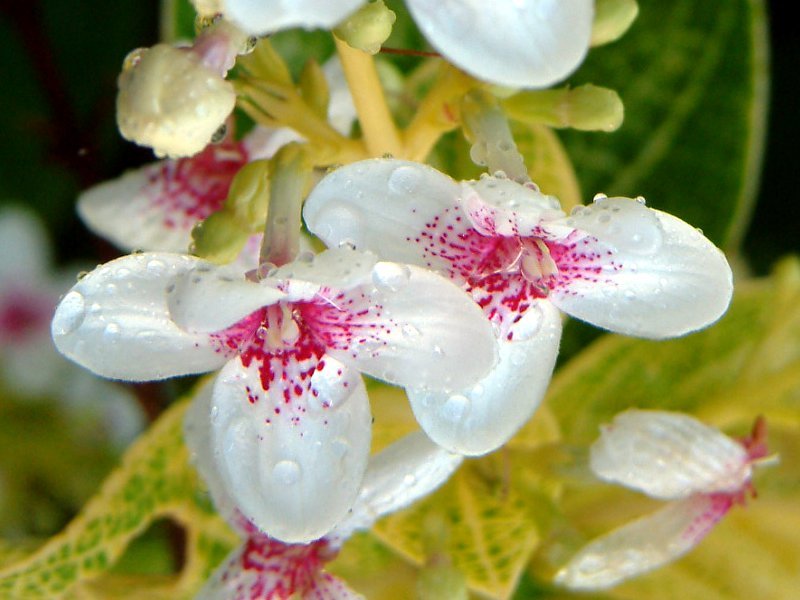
(390, 276)
(111, 332)
(599, 197)
(409, 479)
(404, 180)
(409, 331)
(71, 313)
(342, 222)
(121, 273)
(340, 447)
(286, 472)
(156, 267)
(456, 408)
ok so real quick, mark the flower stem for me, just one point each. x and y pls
(290, 179)
(380, 133)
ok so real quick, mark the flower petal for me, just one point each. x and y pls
(266, 568)
(644, 544)
(668, 455)
(482, 418)
(637, 271)
(210, 298)
(115, 322)
(400, 474)
(197, 434)
(386, 206)
(257, 17)
(517, 44)
(155, 207)
(23, 246)
(281, 450)
(405, 325)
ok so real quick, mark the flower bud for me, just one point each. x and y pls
(612, 18)
(171, 101)
(368, 28)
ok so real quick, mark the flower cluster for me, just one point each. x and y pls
(453, 290)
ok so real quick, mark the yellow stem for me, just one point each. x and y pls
(380, 133)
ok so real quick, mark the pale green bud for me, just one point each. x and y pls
(612, 18)
(368, 28)
(588, 108)
(171, 101)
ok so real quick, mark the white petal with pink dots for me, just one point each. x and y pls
(644, 544)
(637, 271)
(293, 455)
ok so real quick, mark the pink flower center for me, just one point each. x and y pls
(23, 314)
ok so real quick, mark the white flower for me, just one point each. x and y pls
(155, 207)
(264, 567)
(29, 365)
(670, 456)
(516, 43)
(290, 417)
(615, 264)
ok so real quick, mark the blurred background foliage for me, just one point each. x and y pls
(689, 145)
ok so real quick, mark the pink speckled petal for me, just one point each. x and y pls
(645, 544)
(637, 271)
(405, 325)
(528, 43)
(498, 206)
(398, 475)
(116, 321)
(264, 568)
(155, 207)
(669, 455)
(259, 16)
(481, 418)
(287, 430)
(391, 207)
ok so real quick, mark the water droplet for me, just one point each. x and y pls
(70, 314)
(477, 390)
(599, 197)
(220, 133)
(347, 244)
(629, 294)
(156, 267)
(121, 273)
(133, 58)
(340, 447)
(409, 479)
(456, 408)
(404, 180)
(286, 472)
(409, 331)
(111, 332)
(262, 332)
(390, 276)
(641, 200)
(214, 413)
(437, 350)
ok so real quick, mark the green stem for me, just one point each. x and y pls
(380, 133)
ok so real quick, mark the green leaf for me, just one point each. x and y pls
(482, 526)
(693, 77)
(154, 481)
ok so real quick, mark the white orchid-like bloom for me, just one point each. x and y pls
(29, 365)
(155, 207)
(290, 415)
(669, 456)
(263, 567)
(515, 43)
(616, 264)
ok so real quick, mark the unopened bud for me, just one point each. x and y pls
(171, 101)
(368, 28)
(612, 18)
(588, 108)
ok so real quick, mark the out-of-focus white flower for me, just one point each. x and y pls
(616, 264)
(515, 43)
(263, 567)
(29, 365)
(670, 456)
(290, 417)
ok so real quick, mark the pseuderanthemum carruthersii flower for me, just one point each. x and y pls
(616, 264)
(669, 456)
(290, 416)
(263, 567)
